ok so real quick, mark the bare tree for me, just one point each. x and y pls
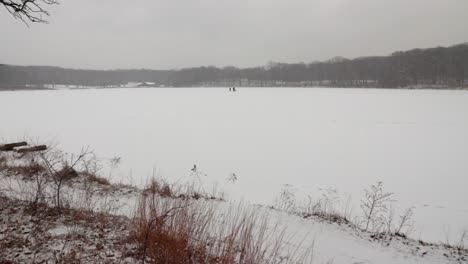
(28, 10)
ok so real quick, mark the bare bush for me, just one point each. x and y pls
(405, 221)
(325, 205)
(374, 206)
(287, 199)
(457, 244)
(461, 242)
(61, 169)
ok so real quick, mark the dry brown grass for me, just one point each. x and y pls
(329, 217)
(159, 187)
(95, 178)
(183, 231)
(3, 163)
(162, 239)
(29, 169)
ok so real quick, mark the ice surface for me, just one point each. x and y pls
(413, 141)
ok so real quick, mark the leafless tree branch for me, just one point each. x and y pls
(28, 10)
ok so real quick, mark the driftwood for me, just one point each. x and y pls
(32, 149)
(11, 146)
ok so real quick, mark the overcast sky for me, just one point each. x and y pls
(166, 34)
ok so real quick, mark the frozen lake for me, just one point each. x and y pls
(416, 142)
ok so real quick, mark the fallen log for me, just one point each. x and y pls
(32, 149)
(11, 146)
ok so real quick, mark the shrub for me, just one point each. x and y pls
(183, 231)
(374, 205)
(287, 199)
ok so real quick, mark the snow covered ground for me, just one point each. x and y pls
(311, 139)
(330, 242)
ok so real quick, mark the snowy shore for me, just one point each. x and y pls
(45, 235)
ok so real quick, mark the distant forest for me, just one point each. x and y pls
(439, 68)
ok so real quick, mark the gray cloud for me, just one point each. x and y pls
(160, 34)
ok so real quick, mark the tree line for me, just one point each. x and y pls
(441, 67)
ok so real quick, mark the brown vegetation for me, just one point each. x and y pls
(186, 231)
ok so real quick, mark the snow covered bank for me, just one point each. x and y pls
(331, 241)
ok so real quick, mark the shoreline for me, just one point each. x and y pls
(243, 87)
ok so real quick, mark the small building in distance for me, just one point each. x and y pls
(147, 84)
